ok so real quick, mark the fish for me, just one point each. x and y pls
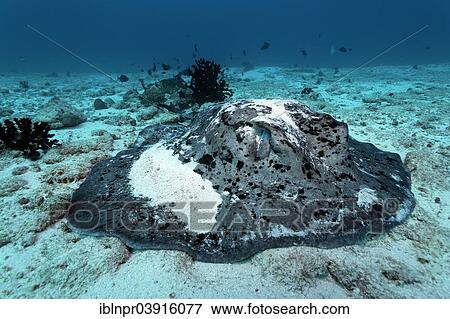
(345, 50)
(154, 67)
(247, 66)
(195, 47)
(149, 72)
(244, 52)
(305, 53)
(265, 46)
(123, 78)
(166, 67)
(231, 57)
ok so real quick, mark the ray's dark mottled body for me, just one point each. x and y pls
(287, 176)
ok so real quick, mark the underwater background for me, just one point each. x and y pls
(126, 35)
(102, 74)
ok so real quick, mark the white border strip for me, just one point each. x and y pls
(366, 309)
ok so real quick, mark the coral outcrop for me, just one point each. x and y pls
(172, 94)
(244, 177)
(206, 84)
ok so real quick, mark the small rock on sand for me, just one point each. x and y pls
(59, 114)
(100, 105)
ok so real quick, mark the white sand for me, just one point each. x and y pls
(160, 176)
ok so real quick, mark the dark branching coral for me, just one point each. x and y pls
(208, 83)
(26, 136)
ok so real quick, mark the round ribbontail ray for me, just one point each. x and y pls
(244, 177)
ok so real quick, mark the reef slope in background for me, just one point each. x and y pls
(270, 173)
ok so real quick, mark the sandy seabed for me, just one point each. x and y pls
(399, 109)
